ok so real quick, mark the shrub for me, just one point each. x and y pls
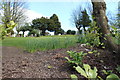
(91, 74)
(92, 39)
(35, 32)
(72, 32)
(87, 71)
(91, 36)
(68, 32)
(75, 58)
(5, 30)
(81, 39)
(118, 68)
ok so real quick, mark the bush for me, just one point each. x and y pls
(72, 32)
(68, 32)
(91, 74)
(75, 58)
(6, 31)
(92, 39)
(87, 71)
(34, 32)
(91, 36)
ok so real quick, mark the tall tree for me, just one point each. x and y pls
(60, 31)
(81, 18)
(57, 24)
(77, 18)
(51, 24)
(41, 24)
(85, 19)
(99, 12)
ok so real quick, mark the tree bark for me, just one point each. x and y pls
(43, 32)
(23, 33)
(99, 12)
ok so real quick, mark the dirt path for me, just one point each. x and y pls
(46, 64)
(17, 63)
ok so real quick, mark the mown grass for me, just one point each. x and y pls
(33, 44)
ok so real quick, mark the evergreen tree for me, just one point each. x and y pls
(77, 17)
(81, 19)
(51, 24)
(85, 19)
(56, 23)
(41, 24)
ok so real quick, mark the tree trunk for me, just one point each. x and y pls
(43, 32)
(84, 29)
(99, 12)
(55, 33)
(78, 28)
(23, 33)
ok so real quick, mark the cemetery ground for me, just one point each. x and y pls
(19, 63)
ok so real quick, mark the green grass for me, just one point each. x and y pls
(33, 44)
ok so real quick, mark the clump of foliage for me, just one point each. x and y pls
(107, 72)
(118, 68)
(87, 72)
(91, 74)
(71, 32)
(75, 57)
(81, 39)
(91, 36)
(112, 77)
(5, 30)
(51, 24)
(35, 32)
(92, 39)
(81, 18)
(85, 19)
(116, 34)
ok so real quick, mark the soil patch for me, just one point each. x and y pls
(17, 63)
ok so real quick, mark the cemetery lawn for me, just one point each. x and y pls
(22, 62)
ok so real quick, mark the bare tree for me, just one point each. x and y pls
(12, 10)
(99, 12)
(76, 17)
(89, 8)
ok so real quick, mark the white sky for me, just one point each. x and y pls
(68, 0)
(33, 15)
